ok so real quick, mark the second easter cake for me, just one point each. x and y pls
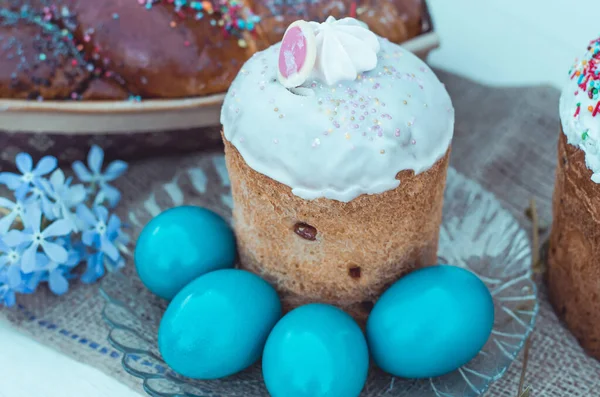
(573, 270)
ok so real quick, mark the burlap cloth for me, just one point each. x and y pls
(505, 139)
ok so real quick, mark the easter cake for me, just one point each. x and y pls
(109, 50)
(573, 267)
(337, 143)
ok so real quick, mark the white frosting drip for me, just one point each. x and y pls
(345, 48)
(343, 141)
(582, 127)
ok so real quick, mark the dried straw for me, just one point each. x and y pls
(535, 261)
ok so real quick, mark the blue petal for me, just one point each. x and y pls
(68, 275)
(57, 180)
(95, 268)
(81, 250)
(55, 252)
(115, 170)
(101, 213)
(22, 190)
(44, 185)
(89, 276)
(33, 217)
(12, 181)
(95, 159)
(13, 275)
(77, 195)
(22, 194)
(16, 237)
(47, 208)
(88, 237)
(61, 227)
(46, 165)
(64, 241)
(99, 200)
(3, 247)
(6, 222)
(24, 162)
(52, 266)
(28, 259)
(41, 260)
(8, 297)
(112, 229)
(86, 215)
(57, 282)
(78, 224)
(112, 194)
(74, 223)
(31, 281)
(74, 258)
(109, 248)
(82, 172)
(6, 203)
(56, 211)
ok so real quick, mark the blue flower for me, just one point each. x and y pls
(7, 294)
(9, 265)
(10, 256)
(12, 279)
(20, 282)
(16, 210)
(57, 274)
(37, 194)
(94, 269)
(57, 281)
(64, 197)
(29, 282)
(100, 231)
(25, 282)
(13, 276)
(100, 180)
(33, 237)
(29, 175)
(76, 234)
(96, 265)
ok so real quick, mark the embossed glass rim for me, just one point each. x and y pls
(143, 360)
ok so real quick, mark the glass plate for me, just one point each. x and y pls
(476, 234)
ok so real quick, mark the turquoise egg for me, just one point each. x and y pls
(316, 350)
(218, 324)
(181, 244)
(430, 322)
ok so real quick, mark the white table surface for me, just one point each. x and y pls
(499, 42)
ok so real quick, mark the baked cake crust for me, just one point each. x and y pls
(573, 266)
(359, 247)
(160, 52)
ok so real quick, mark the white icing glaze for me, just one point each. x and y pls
(345, 48)
(578, 114)
(343, 141)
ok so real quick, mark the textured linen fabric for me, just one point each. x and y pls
(505, 139)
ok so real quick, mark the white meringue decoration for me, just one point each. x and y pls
(345, 48)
